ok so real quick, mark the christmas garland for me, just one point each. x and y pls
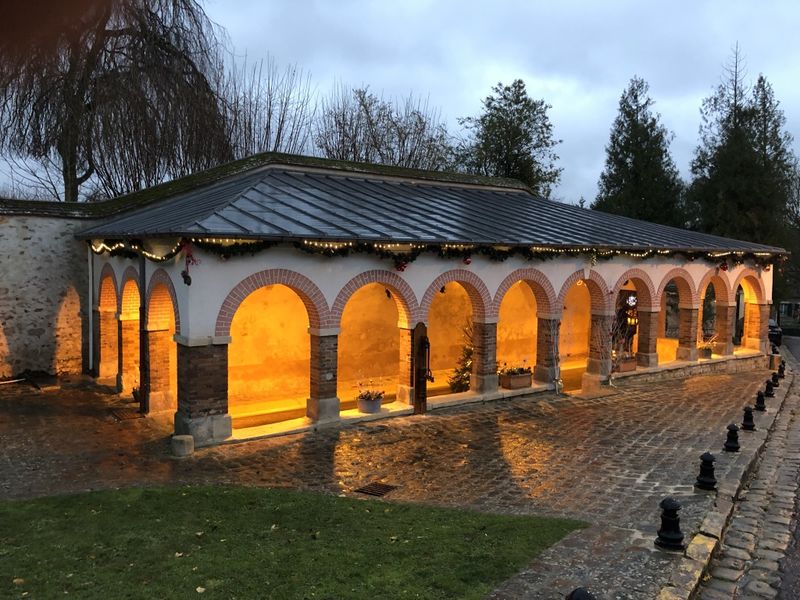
(404, 254)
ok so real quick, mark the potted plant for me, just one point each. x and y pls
(706, 347)
(514, 378)
(369, 400)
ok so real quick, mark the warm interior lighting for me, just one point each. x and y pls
(129, 330)
(268, 357)
(108, 346)
(516, 327)
(369, 345)
(163, 350)
(576, 323)
(450, 312)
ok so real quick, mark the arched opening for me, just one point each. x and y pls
(5, 354)
(669, 324)
(517, 328)
(162, 349)
(449, 333)
(710, 339)
(108, 331)
(576, 326)
(625, 328)
(129, 338)
(268, 358)
(750, 332)
(369, 345)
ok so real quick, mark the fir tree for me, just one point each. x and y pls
(640, 179)
(459, 380)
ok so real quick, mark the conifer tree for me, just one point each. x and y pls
(640, 179)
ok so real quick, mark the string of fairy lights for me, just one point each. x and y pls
(403, 254)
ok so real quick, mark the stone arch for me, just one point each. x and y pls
(310, 294)
(687, 293)
(107, 285)
(598, 290)
(482, 306)
(159, 280)
(722, 289)
(539, 284)
(126, 301)
(749, 277)
(406, 300)
(645, 290)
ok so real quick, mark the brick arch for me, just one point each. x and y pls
(685, 283)
(310, 294)
(749, 276)
(598, 290)
(645, 290)
(161, 280)
(128, 301)
(479, 296)
(722, 289)
(406, 300)
(108, 285)
(540, 286)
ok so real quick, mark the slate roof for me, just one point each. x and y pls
(293, 200)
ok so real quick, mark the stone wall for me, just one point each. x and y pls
(43, 295)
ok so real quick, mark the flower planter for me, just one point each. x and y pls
(704, 352)
(515, 382)
(626, 364)
(369, 406)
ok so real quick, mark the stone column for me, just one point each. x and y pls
(484, 357)
(323, 404)
(687, 333)
(647, 351)
(203, 390)
(405, 384)
(724, 327)
(599, 362)
(756, 327)
(107, 348)
(547, 330)
(128, 363)
(160, 342)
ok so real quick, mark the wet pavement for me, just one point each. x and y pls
(606, 461)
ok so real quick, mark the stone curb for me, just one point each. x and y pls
(687, 575)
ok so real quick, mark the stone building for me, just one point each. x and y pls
(265, 295)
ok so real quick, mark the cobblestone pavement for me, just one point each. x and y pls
(606, 461)
(755, 542)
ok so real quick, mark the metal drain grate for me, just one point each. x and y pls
(376, 489)
(125, 414)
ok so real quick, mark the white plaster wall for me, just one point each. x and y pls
(214, 278)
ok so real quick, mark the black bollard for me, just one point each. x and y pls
(769, 389)
(748, 424)
(776, 382)
(732, 443)
(670, 536)
(706, 479)
(760, 404)
(580, 594)
(782, 370)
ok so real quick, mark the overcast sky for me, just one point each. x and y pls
(577, 56)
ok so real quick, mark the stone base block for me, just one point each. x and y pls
(592, 383)
(647, 359)
(684, 353)
(483, 383)
(322, 409)
(206, 431)
(405, 394)
(597, 366)
(544, 374)
(182, 445)
(774, 362)
(723, 348)
(161, 402)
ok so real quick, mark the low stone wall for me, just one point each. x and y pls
(733, 364)
(43, 295)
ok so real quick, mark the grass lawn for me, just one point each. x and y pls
(234, 542)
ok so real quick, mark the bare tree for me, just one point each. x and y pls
(359, 126)
(118, 93)
(267, 109)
